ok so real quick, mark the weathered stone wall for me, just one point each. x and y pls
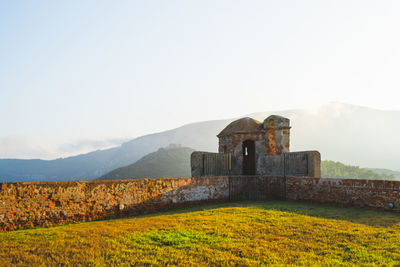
(256, 187)
(25, 205)
(376, 194)
(277, 134)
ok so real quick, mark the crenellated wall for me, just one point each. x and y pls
(24, 205)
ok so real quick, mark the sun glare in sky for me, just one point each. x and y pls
(82, 75)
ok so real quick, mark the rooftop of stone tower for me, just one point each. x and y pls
(242, 125)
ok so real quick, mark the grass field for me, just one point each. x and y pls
(246, 233)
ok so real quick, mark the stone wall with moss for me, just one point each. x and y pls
(361, 193)
(24, 205)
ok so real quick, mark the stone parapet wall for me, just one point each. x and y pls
(25, 205)
(255, 187)
(301, 163)
(376, 194)
(213, 164)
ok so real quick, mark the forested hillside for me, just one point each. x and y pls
(386, 172)
(333, 169)
(173, 161)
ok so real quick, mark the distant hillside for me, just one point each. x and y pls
(358, 135)
(332, 169)
(396, 174)
(165, 162)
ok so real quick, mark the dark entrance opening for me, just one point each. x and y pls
(249, 157)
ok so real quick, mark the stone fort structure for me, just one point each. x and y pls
(250, 147)
(254, 163)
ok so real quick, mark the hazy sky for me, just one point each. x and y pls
(79, 75)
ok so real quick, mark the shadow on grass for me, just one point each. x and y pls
(368, 217)
(376, 218)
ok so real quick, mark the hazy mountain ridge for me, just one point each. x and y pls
(351, 134)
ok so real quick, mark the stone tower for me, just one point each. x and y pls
(271, 137)
(249, 140)
(250, 147)
(277, 134)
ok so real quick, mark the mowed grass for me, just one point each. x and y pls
(246, 233)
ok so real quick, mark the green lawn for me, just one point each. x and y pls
(246, 233)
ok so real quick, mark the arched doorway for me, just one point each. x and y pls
(249, 157)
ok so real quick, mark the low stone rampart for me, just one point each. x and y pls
(24, 205)
(376, 194)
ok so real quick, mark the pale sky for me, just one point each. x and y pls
(81, 75)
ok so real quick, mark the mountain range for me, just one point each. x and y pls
(341, 132)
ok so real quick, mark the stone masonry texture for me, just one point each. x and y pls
(24, 205)
(376, 194)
